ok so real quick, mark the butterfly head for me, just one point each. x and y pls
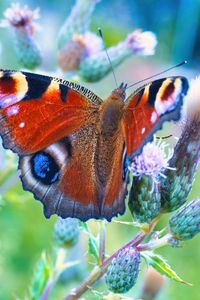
(121, 91)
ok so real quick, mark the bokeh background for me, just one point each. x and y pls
(24, 232)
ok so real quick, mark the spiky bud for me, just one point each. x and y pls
(66, 232)
(77, 23)
(96, 66)
(123, 271)
(185, 223)
(147, 169)
(178, 183)
(22, 20)
(144, 199)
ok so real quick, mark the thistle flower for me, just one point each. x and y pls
(123, 271)
(66, 232)
(153, 160)
(96, 66)
(22, 20)
(147, 168)
(79, 47)
(77, 23)
(185, 223)
(177, 184)
(142, 43)
(80, 50)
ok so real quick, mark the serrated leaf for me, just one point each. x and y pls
(93, 246)
(41, 275)
(160, 265)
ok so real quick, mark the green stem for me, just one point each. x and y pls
(102, 241)
(59, 263)
(154, 244)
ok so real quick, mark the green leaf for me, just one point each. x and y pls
(158, 263)
(41, 275)
(93, 246)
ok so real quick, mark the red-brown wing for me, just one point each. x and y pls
(146, 110)
(73, 178)
(37, 110)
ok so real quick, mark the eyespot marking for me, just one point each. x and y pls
(44, 168)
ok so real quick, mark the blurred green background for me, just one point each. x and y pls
(24, 232)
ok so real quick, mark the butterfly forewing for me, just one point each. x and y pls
(146, 110)
(37, 110)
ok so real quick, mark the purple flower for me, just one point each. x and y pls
(152, 161)
(22, 18)
(142, 43)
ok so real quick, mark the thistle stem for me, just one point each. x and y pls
(47, 290)
(102, 241)
(154, 244)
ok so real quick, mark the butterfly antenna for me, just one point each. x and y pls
(101, 35)
(176, 66)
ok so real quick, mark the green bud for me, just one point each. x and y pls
(96, 66)
(178, 183)
(77, 23)
(66, 232)
(22, 20)
(185, 223)
(123, 271)
(27, 51)
(144, 199)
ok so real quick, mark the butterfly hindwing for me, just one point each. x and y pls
(37, 110)
(67, 178)
(148, 108)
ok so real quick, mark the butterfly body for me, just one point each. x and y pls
(73, 147)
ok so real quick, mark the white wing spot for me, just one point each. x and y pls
(143, 130)
(153, 117)
(22, 124)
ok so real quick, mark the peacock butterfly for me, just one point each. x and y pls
(73, 147)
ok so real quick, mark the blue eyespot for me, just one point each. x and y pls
(44, 168)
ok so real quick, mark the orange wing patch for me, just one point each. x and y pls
(37, 111)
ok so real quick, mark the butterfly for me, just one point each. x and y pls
(73, 147)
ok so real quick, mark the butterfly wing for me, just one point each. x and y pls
(64, 161)
(148, 108)
(74, 177)
(37, 110)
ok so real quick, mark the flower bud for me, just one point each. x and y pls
(96, 66)
(144, 199)
(77, 23)
(147, 169)
(178, 183)
(66, 232)
(123, 271)
(22, 20)
(185, 223)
